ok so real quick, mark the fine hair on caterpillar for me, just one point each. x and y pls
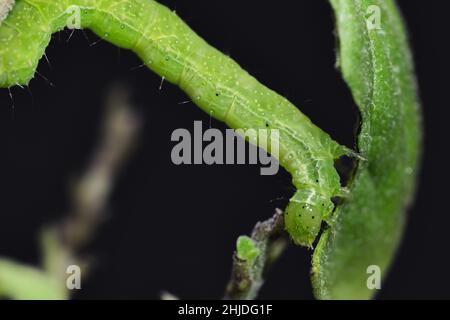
(213, 81)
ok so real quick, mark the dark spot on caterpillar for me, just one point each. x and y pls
(267, 125)
(312, 217)
(323, 204)
(317, 180)
(217, 94)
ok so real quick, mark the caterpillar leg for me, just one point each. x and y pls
(352, 153)
(344, 192)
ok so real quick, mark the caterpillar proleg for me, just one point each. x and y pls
(214, 82)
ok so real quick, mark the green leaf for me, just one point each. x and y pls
(376, 62)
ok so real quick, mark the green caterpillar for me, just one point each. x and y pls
(214, 82)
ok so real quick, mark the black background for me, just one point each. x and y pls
(174, 228)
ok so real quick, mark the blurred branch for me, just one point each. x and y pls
(61, 244)
(254, 256)
(167, 296)
(91, 192)
(22, 282)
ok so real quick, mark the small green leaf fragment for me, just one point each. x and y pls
(247, 249)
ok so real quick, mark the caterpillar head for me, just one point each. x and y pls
(304, 216)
